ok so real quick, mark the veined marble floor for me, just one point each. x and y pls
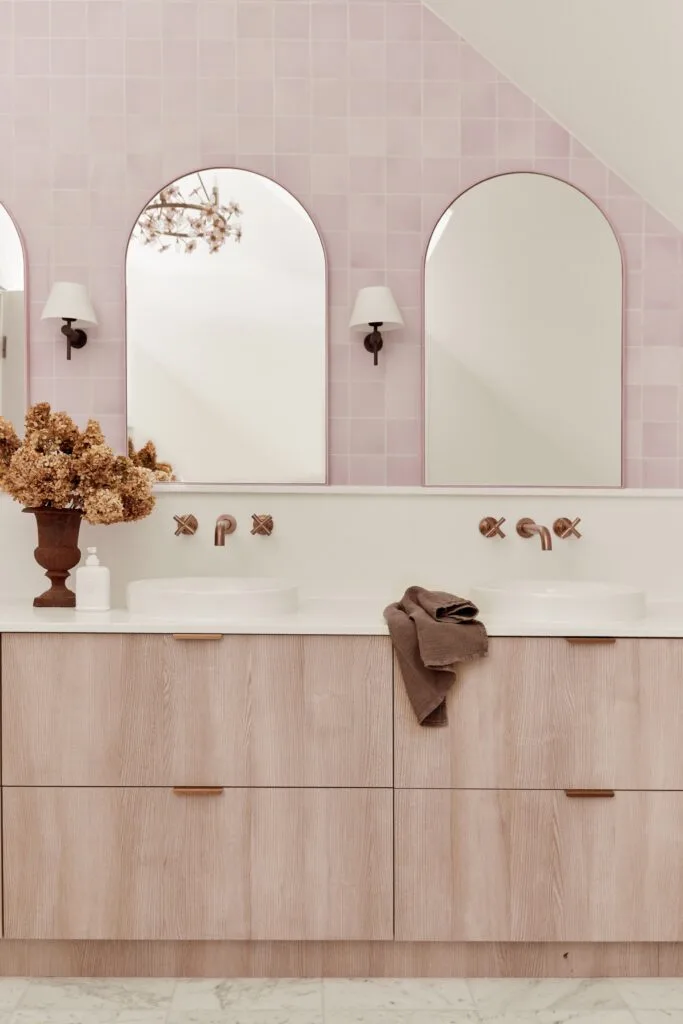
(335, 1001)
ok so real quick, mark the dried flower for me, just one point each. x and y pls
(59, 466)
(147, 458)
(9, 442)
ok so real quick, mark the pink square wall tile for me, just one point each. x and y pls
(404, 62)
(404, 471)
(367, 399)
(515, 138)
(255, 19)
(373, 112)
(660, 403)
(659, 473)
(339, 469)
(291, 96)
(551, 139)
(291, 59)
(292, 19)
(478, 137)
(330, 20)
(479, 99)
(512, 102)
(404, 99)
(368, 212)
(404, 21)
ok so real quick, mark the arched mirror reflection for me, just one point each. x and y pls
(12, 322)
(226, 331)
(523, 339)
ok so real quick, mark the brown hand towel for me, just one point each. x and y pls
(432, 632)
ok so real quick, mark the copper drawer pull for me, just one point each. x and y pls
(590, 793)
(197, 636)
(197, 790)
(591, 639)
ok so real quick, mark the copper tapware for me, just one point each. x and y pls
(491, 527)
(527, 528)
(197, 636)
(187, 525)
(224, 526)
(197, 790)
(595, 794)
(263, 526)
(591, 639)
(564, 528)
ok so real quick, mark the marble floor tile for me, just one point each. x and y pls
(236, 1016)
(248, 994)
(383, 1016)
(658, 1016)
(102, 1016)
(568, 1015)
(341, 994)
(11, 991)
(111, 994)
(651, 993)
(498, 997)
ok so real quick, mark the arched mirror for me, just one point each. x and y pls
(12, 322)
(226, 312)
(523, 339)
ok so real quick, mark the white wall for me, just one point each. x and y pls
(375, 544)
(609, 70)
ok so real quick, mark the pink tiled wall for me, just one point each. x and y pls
(371, 111)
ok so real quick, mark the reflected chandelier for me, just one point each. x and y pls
(177, 221)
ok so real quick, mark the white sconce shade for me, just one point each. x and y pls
(69, 301)
(375, 307)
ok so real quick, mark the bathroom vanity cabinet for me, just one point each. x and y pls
(274, 796)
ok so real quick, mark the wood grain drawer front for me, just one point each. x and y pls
(545, 713)
(506, 866)
(246, 864)
(135, 710)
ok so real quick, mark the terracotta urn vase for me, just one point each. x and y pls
(57, 553)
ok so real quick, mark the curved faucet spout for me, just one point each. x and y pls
(224, 525)
(527, 528)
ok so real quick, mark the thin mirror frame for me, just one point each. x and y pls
(180, 485)
(511, 488)
(27, 313)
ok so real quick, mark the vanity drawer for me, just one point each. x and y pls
(538, 866)
(240, 864)
(550, 713)
(137, 710)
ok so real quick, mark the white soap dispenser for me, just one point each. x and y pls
(92, 585)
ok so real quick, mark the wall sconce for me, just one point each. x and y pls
(375, 307)
(68, 302)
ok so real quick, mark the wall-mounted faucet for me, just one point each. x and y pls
(187, 525)
(491, 527)
(527, 528)
(224, 526)
(564, 528)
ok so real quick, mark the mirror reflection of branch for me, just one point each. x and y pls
(172, 221)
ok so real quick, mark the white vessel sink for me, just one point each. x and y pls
(570, 601)
(208, 597)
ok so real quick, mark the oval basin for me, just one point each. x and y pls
(570, 601)
(209, 597)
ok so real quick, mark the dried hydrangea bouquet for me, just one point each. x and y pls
(62, 475)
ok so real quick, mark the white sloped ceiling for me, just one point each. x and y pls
(610, 71)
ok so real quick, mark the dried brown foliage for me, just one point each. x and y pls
(59, 466)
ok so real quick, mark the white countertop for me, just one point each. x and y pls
(335, 617)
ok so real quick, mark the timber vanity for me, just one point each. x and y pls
(272, 796)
